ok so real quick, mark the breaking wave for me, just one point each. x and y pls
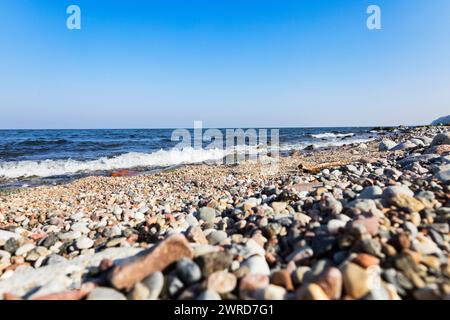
(161, 158)
(331, 135)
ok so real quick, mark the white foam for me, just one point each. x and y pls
(331, 135)
(162, 158)
(323, 144)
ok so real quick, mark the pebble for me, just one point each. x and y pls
(257, 265)
(221, 282)
(209, 295)
(188, 271)
(23, 250)
(356, 280)
(154, 283)
(84, 243)
(207, 214)
(334, 225)
(103, 293)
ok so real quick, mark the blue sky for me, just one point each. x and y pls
(230, 63)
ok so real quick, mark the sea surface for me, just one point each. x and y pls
(32, 157)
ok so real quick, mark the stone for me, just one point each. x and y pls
(300, 254)
(103, 293)
(216, 237)
(372, 192)
(356, 280)
(139, 292)
(329, 204)
(366, 260)
(154, 283)
(254, 248)
(174, 285)
(209, 295)
(371, 224)
(331, 281)
(273, 292)
(84, 243)
(81, 227)
(4, 260)
(11, 245)
(21, 283)
(207, 214)
(24, 249)
(55, 285)
(222, 282)
(406, 202)
(282, 278)
(440, 139)
(311, 291)
(257, 265)
(214, 261)
(386, 145)
(253, 285)
(443, 176)
(278, 206)
(195, 234)
(406, 145)
(425, 245)
(334, 225)
(392, 191)
(71, 235)
(188, 271)
(126, 274)
(300, 274)
(440, 150)
(6, 235)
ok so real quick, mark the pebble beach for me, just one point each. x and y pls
(363, 221)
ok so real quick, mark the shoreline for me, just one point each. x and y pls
(328, 219)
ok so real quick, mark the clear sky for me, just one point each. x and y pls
(230, 63)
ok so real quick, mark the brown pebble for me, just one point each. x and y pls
(283, 278)
(366, 260)
(157, 258)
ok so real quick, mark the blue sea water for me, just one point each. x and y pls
(50, 155)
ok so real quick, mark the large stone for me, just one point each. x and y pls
(356, 280)
(440, 149)
(125, 275)
(6, 235)
(372, 192)
(406, 202)
(257, 265)
(195, 234)
(207, 214)
(386, 145)
(406, 145)
(331, 282)
(442, 138)
(214, 261)
(443, 176)
(392, 191)
(311, 291)
(23, 282)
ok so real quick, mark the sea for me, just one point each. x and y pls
(36, 157)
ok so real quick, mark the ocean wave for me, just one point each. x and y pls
(161, 158)
(39, 142)
(331, 135)
(323, 144)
